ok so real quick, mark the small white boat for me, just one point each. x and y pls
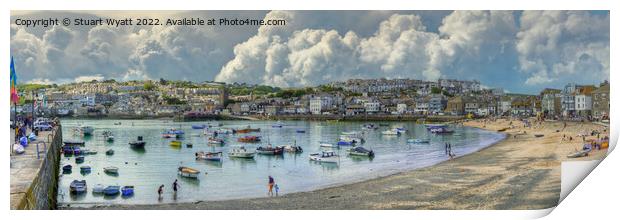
(98, 188)
(390, 132)
(111, 170)
(325, 144)
(210, 156)
(188, 172)
(360, 151)
(418, 141)
(325, 156)
(213, 140)
(241, 152)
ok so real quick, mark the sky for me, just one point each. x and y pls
(519, 51)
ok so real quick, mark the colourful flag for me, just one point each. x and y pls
(14, 95)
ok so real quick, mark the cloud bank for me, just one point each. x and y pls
(519, 51)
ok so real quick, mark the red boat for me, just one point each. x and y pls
(246, 130)
(249, 139)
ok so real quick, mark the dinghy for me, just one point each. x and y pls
(188, 172)
(325, 156)
(241, 152)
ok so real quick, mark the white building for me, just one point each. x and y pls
(583, 102)
(320, 103)
(372, 107)
(401, 108)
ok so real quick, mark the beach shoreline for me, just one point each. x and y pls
(514, 173)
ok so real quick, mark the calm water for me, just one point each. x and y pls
(243, 178)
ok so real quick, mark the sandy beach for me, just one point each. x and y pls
(520, 172)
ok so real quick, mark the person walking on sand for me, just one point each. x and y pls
(446, 148)
(277, 188)
(175, 187)
(160, 191)
(270, 185)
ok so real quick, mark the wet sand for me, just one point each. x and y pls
(516, 173)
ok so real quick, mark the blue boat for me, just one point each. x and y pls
(67, 168)
(79, 159)
(111, 190)
(77, 186)
(341, 142)
(127, 191)
(85, 169)
(199, 126)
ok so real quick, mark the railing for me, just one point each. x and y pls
(44, 149)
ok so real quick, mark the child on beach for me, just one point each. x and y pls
(160, 191)
(270, 185)
(277, 188)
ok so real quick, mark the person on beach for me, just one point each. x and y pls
(175, 187)
(277, 188)
(270, 185)
(160, 191)
(446, 148)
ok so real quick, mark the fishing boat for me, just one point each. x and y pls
(79, 159)
(139, 143)
(325, 144)
(249, 139)
(175, 143)
(108, 136)
(269, 150)
(111, 190)
(188, 172)
(85, 169)
(209, 156)
(173, 133)
(360, 151)
(109, 152)
(241, 152)
(67, 168)
(292, 148)
(127, 190)
(77, 186)
(248, 129)
(73, 143)
(98, 188)
(199, 126)
(418, 141)
(441, 130)
(110, 170)
(214, 140)
(325, 156)
(392, 132)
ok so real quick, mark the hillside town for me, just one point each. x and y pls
(450, 97)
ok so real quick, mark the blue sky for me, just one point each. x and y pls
(520, 51)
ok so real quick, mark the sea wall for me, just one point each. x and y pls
(43, 190)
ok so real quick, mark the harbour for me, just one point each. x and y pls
(240, 178)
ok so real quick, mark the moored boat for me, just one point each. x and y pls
(111, 190)
(110, 170)
(418, 141)
(67, 168)
(85, 169)
(127, 190)
(248, 129)
(209, 156)
(188, 172)
(108, 136)
(360, 151)
(214, 140)
(325, 144)
(300, 131)
(278, 124)
(249, 139)
(109, 152)
(175, 143)
(325, 156)
(139, 143)
(391, 132)
(73, 143)
(441, 130)
(199, 126)
(270, 150)
(98, 188)
(79, 159)
(241, 152)
(292, 148)
(77, 186)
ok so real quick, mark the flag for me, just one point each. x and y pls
(14, 95)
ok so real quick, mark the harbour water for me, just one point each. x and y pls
(242, 178)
